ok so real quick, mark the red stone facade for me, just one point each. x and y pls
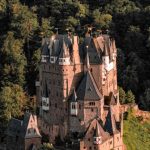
(78, 85)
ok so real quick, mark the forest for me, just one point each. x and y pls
(23, 24)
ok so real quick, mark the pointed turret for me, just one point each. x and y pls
(45, 51)
(74, 96)
(112, 99)
(99, 134)
(54, 48)
(110, 124)
(64, 56)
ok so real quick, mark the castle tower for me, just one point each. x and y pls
(78, 89)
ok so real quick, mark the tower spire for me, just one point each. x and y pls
(87, 58)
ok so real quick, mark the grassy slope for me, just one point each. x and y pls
(136, 134)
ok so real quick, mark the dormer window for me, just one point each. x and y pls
(74, 108)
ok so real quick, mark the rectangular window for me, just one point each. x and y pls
(73, 106)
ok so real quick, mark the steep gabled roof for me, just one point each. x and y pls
(110, 124)
(87, 89)
(14, 127)
(74, 96)
(94, 53)
(64, 53)
(45, 49)
(99, 132)
(112, 99)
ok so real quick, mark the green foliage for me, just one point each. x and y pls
(46, 27)
(2, 6)
(13, 62)
(12, 103)
(47, 146)
(130, 98)
(120, 6)
(101, 21)
(136, 135)
(13, 100)
(126, 98)
(122, 95)
(23, 21)
(145, 100)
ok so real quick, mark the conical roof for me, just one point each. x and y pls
(112, 99)
(110, 124)
(45, 49)
(64, 53)
(100, 133)
(87, 89)
(74, 96)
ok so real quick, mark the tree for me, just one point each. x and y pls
(101, 20)
(23, 21)
(12, 104)
(120, 6)
(130, 79)
(2, 6)
(46, 27)
(13, 62)
(145, 100)
(120, 65)
(122, 95)
(130, 98)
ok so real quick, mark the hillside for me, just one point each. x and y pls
(23, 24)
(136, 133)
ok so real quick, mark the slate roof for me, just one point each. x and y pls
(87, 89)
(64, 53)
(25, 124)
(99, 132)
(19, 127)
(45, 49)
(54, 45)
(74, 96)
(14, 127)
(110, 124)
(94, 53)
(112, 99)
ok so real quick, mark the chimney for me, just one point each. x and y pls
(75, 55)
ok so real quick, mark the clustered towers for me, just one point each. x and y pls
(77, 92)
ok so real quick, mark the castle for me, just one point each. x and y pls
(77, 93)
